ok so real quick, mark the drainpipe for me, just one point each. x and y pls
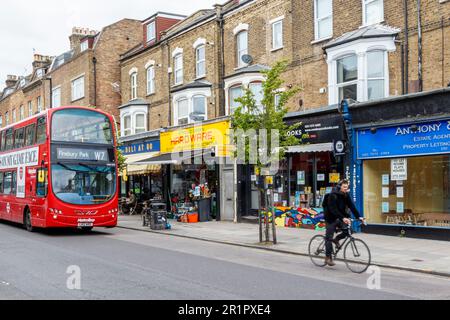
(94, 61)
(419, 30)
(222, 61)
(406, 48)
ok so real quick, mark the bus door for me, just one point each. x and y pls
(38, 187)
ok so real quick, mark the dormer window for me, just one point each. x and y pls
(151, 31)
(84, 45)
(22, 82)
(39, 73)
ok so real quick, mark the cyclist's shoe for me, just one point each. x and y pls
(329, 262)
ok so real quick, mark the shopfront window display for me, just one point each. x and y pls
(422, 198)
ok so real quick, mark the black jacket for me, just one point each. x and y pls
(336, 207)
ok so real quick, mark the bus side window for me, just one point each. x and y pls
(41, 130)
(30, 135)
(7, 183)
(1, 182)
(19, 138)
(42, 183)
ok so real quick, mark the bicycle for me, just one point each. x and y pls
(357, 254)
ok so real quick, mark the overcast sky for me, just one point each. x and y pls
(44, 26)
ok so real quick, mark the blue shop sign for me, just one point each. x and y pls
(143, 147)
(406, 140)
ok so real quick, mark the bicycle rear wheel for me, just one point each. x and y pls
(317, 251)
(357, 256)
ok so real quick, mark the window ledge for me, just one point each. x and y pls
(151, 94)
(200, 78)
(78, 99)
(177, 85)
(321, 40)
(277, 49)
(372, 24)
(241, 67)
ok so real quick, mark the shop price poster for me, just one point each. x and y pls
(276, 197)
(385, 193)
(301, 181)
(400, 207)
(321, 177)
(400, 192)
(399, 168)
(385, 207)
(385, 179)
(335, 177)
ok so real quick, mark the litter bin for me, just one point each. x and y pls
(158, 216)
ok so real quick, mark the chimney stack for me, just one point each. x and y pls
(11, 81)
(78, 34)
(41, 61)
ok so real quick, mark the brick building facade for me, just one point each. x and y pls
(87, 75)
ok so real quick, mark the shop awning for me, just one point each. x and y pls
(321, 147)
(136, 168)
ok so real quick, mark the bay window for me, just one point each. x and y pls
(235, 93)
(182, 112)
(127, 130)
(347, 77)
(199, 106)
(375, 75)
(256, 89)
(140, 126)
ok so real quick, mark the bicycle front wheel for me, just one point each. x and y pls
(317, 251)
(357, 256)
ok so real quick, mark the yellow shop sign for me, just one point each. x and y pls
(200, 136)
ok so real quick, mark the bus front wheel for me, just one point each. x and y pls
(27, 221)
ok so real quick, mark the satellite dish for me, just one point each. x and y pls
(247, 59)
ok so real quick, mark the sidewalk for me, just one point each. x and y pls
(418, 255)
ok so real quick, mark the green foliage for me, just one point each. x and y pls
(249, 117)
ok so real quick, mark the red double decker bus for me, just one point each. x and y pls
(58, 169)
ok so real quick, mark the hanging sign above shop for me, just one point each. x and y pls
(407, 140)
(319, 129)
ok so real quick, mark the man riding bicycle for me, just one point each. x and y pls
(336, 207)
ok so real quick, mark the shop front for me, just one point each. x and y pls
(310, 170)
(193, 159)
(146, 181)
(401, 164)
(406, 174)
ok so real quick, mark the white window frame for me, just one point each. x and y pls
(56, 103)
(352, 82)
(14, 115)
(317, 20)
(39, 104)
(84, 45)
(21, 113)
(385, 73)
(1, 121)
(74, 84)
(365, 3)
(153, 23)
(242, 80)
(240, 52)
(30, 108)
(151, 80)
(178, 118)
(178, 69)
(135, 127)
(130, 129)
(273, 23)
(231, 111)
(206, 104)
(198, 61)
(7, 118)
(260, 106)
(133, 86)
